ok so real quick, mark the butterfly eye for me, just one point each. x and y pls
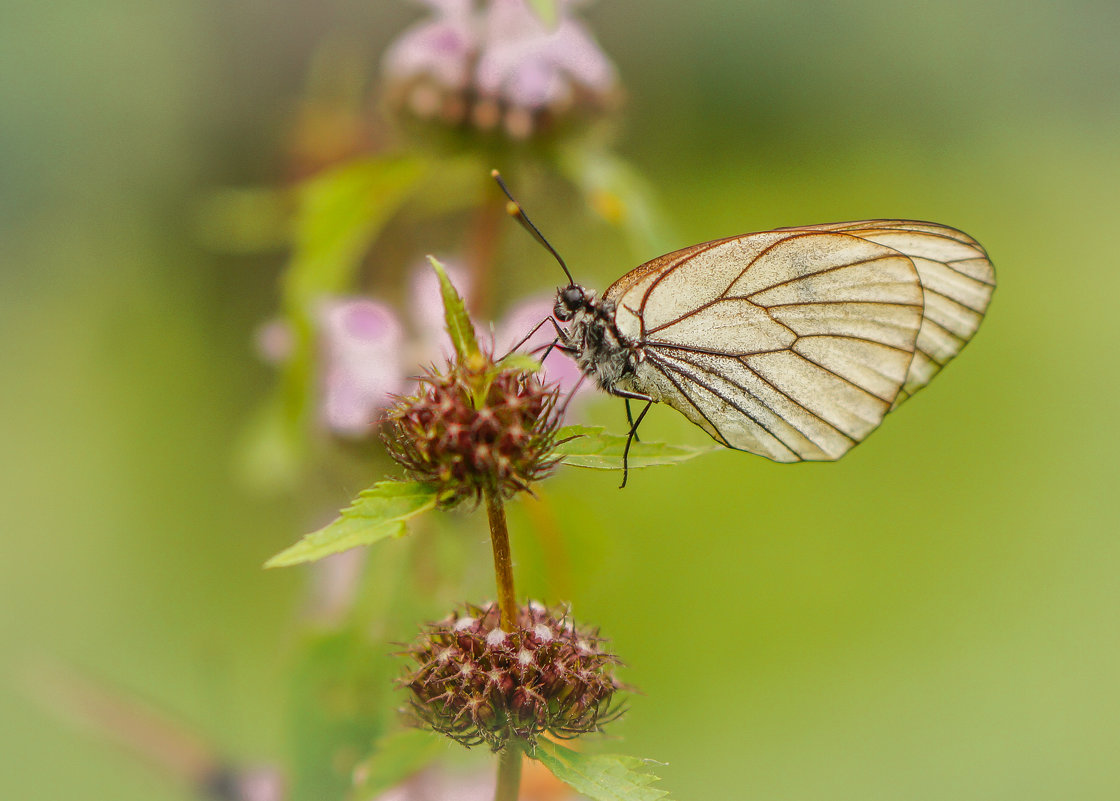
(568, 301)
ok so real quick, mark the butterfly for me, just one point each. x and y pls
(791, 344)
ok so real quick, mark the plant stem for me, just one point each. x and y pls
(509, 774)
(503, 563)
(483, 247)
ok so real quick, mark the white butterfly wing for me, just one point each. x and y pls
(794, 344)
(957, 283)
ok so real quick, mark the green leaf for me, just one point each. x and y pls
(377, 513)
(339, 700)
(596, 450)
(339, 214)
(620, 195)
(459, 326)
(546, 10)
(268, 453)
(244, 220)
(395, 757)
(521, 362)
(602, 777)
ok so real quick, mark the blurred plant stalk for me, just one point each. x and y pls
(149, 734)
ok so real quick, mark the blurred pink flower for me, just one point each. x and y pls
(361, 342)
(525, 315)
(273, 342)
(261, 784)
(366, 356)
(529, 65)
(498, 64)
(440, 48)
(434, 784)
(518, 322)
(426, 310)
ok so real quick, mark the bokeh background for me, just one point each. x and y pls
(934, 617)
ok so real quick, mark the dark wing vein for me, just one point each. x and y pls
(671, 269)
(854, 338)
(825, 271)
(690, 313)
(953, 300)
(845, 379)
(654, 343)
(724, 297)
(667, 369)
(758, 256)
(963, 274)
(844, 303)
(809, 437)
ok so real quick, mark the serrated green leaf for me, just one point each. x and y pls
(459, 326)
(546, 10)
(591, 448)
(395, 757)
(339, 213)
(602, 777)
(378, 513)
(522, 362)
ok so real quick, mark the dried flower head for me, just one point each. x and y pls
(498, 66)
(475, 428)
(478, 684)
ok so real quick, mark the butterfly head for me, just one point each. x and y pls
(569, 300)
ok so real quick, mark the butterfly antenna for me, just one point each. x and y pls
(513, 208)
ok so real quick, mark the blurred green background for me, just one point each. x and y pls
(933, 617)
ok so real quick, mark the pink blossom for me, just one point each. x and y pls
(529, 65)
(366, 356)
(361, 342)
(499, 63)
(558, 368)
(439, 48)
(426, 310)
(261, 784)
(435, 784)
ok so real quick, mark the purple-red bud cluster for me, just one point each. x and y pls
(467, 432)
(478, 684)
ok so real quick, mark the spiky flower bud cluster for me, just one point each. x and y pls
(478, 684)
(470, 431)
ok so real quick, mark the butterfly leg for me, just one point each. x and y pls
(630, 419)
(558, 345)
(535, 329)
(628, 396)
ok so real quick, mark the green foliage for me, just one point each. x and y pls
(602, 777)
(395, 757)
(591, 448)
(267, 454)
(546, 10)
(620, 195)
(339, 700)
(339, 215)
(377, 513)
(459, 325)
(519, 362)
